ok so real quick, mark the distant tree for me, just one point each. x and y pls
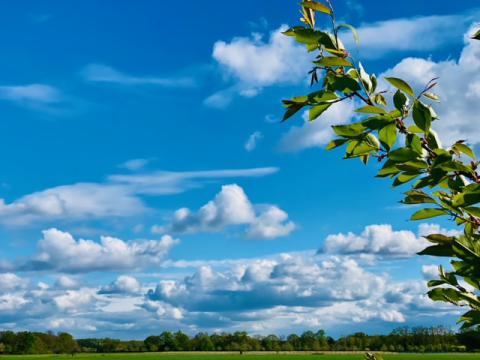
(182, 341)
(66, 344)
(202, 342)
(397, 131)
(153, 343)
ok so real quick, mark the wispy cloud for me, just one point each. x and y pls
(253, 140)
(31, 93)
(135, 164)
(118, 196)
(106, 74)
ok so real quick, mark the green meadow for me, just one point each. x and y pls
(209, 356)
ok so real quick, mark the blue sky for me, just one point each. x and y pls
(148, 185)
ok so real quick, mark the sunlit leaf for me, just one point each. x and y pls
(401, 85)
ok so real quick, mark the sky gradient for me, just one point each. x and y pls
(148, 184)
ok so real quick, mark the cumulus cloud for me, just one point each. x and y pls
(10, 281)
(254, 64)
(253, 140)
(106, 74)
(430, 272)
(280, 293)
(119, 196)
(287, 281)
(231, 207)
(379, 240)
(75, 300)
(122, 285)
(319, 132)
(459, 90)
(60, 251)
(271, 223)
(67, 282)
(295, 290)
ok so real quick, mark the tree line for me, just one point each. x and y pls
(417, 339)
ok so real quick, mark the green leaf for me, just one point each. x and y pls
(466, 199)
(370, 109)
(365, 78)
(440, 239)
(314, 5)
(415, 143)
(427, 214)
(422, 116)
(330, 61)
(460, 147)
(372, 140)
(388, 135)
(401, 85)
(475, 211)
(310, 37)
(388, 169)
(317, 110)
(400, 100)
(380, 99)
(438, 250)
(353, 30)
(345, 84)
(403, 154)
(352, 130)
(476, 35)
(413, 165)
(404, 178)
(417, 197)
(454, 166)
(292, 110)
(433, 140)
(336, 143)
(377, 122)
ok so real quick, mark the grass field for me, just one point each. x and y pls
(194, 356)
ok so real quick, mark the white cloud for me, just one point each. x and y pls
(107, 74)
(75, 300)
(134, 164)
(119, 196)
(10, 281)
(418, 34)
(31, 93)
(319, 132)
(59, 251)
(289, 280)
(430, 272)
(271, 223)
(254, 64)
(277, 294)
(379, 240)
(257, 63)
(459, 90)
(67, 282)
(231, 207)
(252, 140)
(122, 285)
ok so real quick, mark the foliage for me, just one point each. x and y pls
(396, 127)
(419, 339)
